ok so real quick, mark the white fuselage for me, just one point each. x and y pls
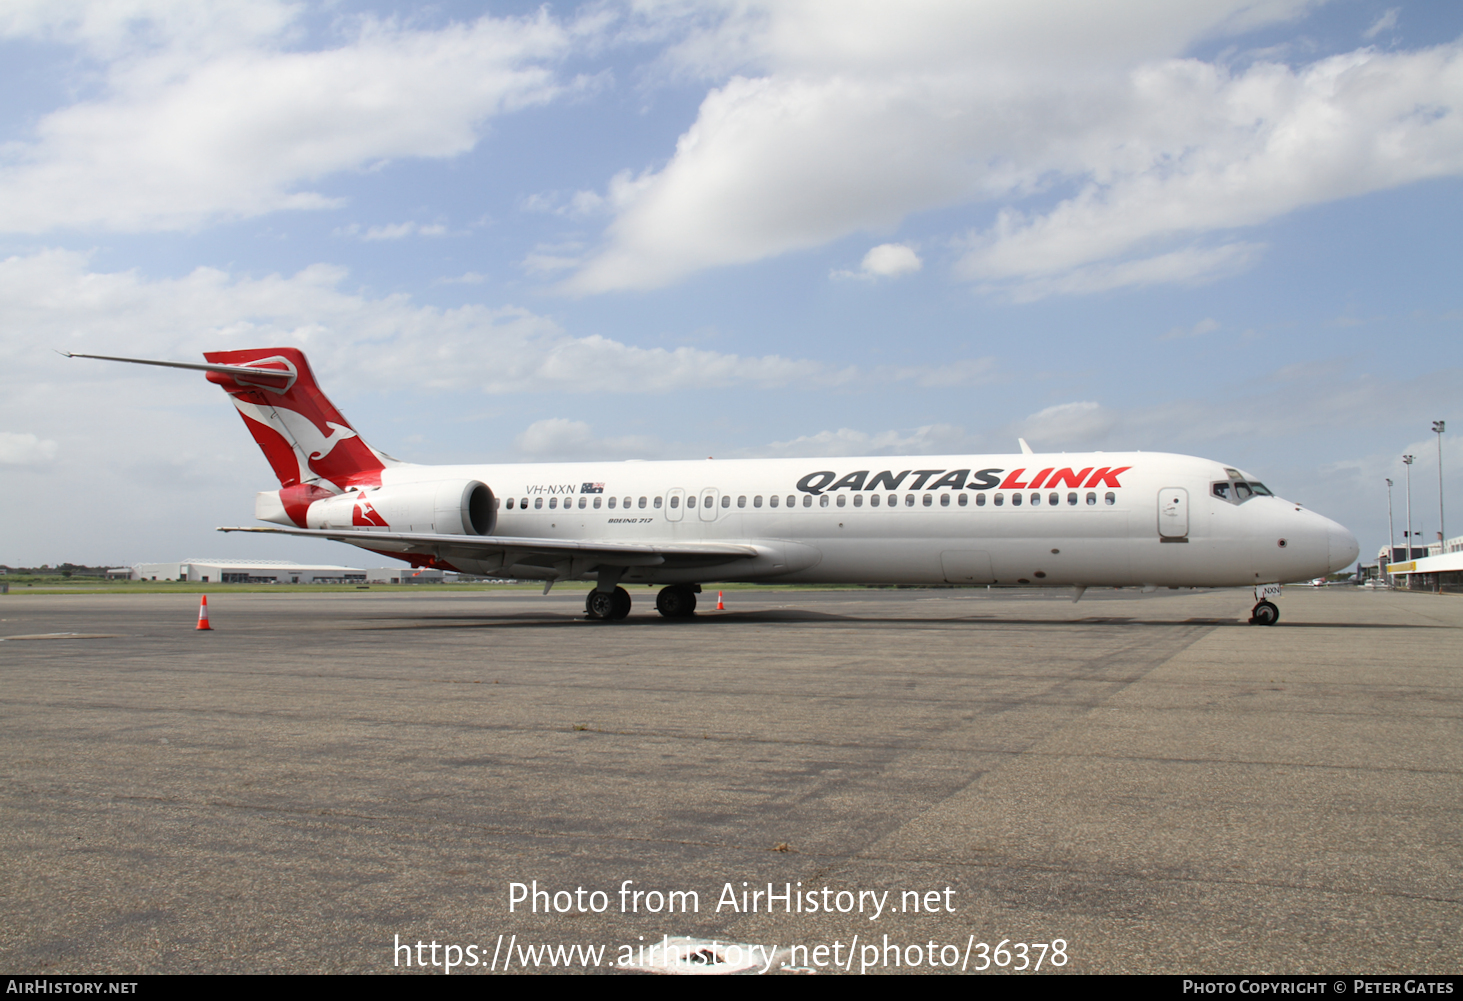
(1157, 521)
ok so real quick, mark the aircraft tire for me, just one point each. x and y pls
(1266, 613)
(599, 605)
(676, 602)
(619, 604)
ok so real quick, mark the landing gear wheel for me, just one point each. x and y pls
(1266, 613)
(676, 602)
(598, 604)
(620, 605)
(607, 604)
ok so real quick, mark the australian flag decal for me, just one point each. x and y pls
(591, 488)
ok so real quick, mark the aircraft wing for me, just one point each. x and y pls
(514, 550)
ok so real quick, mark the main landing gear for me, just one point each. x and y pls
(1266, 613)
(607, 604)
(676, 602)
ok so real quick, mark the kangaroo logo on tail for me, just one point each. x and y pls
(302, 434)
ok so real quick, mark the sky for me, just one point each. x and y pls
(675, 229)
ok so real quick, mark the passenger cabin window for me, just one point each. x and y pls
(1110, 497)
(582, 501)
(757, 501)
(842, 500)
(538, 502)
(791, 501)
(553, 503)
(1015, 500)
(772, 501)
(627, 503)
(1035, 500)
(726, 501)
(929, 500)
(510, 503)
(1000, 499)
(945, 499)
(909, 500)
(964, 499)
(612, 503)
(596, 503)
(1092, 498)
(676, 501)
(656, 505)
(893, 500)
(741, 501)
(1072, 500)
(873, 500)
(642, 502)
(823, 501)
(858, 500)
(980, 500)
(808, 500)
(1054, 499)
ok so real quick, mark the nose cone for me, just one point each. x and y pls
(1342, 546)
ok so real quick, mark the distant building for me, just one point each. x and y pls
(1439, 567)
(215, 571)
(407, 575)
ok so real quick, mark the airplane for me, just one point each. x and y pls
(1073, 520)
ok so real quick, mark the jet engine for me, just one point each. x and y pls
(438, 507)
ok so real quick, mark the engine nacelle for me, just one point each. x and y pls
(438, 507)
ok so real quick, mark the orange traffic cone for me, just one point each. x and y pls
(203, 614)
(720, 605)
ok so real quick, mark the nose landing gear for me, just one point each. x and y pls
(609, 605)
(1266, 613)
(676, 602)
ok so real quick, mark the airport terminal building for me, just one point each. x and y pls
(1438, 568)
(215, 571)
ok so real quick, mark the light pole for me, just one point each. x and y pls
(1407, 535)
(1391, 536)
(1438, 426)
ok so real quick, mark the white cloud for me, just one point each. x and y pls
(560, 438)
(932, 439)
(1209, 151)
(207, 113)
(1068, 424)
(391, 231)
(887, 260)
(387, 341)
(466, 278)
(25, 449)
(1205, 326)
(1190, 266)
(847, 118)
(1386, 22)
(957, 372)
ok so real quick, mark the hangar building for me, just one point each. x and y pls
(214, 571)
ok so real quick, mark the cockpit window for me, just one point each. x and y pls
(1241, 490)
(1260, 489)
(1221, 490)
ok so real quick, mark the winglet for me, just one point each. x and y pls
(1025, 448)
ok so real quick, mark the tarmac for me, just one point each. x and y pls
(324, 780)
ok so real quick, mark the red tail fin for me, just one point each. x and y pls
(307, 441)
